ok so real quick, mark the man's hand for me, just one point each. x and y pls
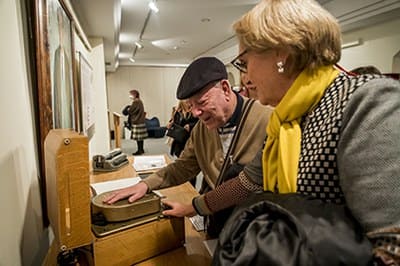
(134, 193)
(178, 209)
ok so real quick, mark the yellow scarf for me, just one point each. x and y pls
(282, 149)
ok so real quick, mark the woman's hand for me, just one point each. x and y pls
(134, 193)
(169, 124)
(178, 209)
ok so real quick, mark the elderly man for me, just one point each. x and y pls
(205, 87)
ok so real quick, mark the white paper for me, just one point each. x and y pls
(106, 186)
(197, 222)
(211, 245)
(144, 163)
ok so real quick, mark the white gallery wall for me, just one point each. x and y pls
(379, 45)
(99, 143)
(157, 87)
(24, 241)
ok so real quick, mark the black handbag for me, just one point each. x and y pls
(178, 133)
(125, 111)
(230, 169)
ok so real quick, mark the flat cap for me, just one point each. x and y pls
(200, 73)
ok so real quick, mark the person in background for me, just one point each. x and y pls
(332, 136)
(366, 70)
(136, 119)
(182, 117)
(207, 90)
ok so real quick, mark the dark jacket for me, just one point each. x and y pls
(136, 114)
(291, 229)
(178, 146)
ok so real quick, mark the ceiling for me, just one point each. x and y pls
(185, 29)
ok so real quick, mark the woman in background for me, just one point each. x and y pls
(136, 118)
(366, 70)
(182, 117)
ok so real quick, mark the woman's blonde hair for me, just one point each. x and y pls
(184, 108)
(310, 33)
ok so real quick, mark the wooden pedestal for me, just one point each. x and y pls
(67, 188)
(68, 202)
(139, 243)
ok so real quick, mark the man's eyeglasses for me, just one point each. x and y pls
(239, 64)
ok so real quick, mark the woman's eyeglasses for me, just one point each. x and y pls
(239, 64)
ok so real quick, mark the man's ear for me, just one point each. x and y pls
(226, 86)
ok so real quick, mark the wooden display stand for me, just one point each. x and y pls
(68, 200)
(139, 243)
(67, 188)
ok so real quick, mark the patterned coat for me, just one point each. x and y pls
(350, 149)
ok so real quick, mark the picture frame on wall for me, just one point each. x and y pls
(55, 88)
(61, 65)
(85, 88)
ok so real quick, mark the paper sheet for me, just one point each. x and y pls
(211, 245)
(197, 222)
(114, 184)
(145, 163)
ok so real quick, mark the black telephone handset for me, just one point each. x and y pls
(110, 161)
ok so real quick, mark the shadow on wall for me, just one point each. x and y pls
(23, 234)
(33, 233)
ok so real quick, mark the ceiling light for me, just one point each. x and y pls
(153, 6)
(132, 59)
(139, 45)
(352, 44)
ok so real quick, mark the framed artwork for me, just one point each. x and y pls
(85, 85)
(61, 70)
(56, 91)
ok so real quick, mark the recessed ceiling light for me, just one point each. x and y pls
(153, 7)
(139, 45)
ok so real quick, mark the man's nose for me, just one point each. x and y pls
(196, 111)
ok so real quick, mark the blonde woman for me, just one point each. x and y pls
(332, 136)
(182, 117)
